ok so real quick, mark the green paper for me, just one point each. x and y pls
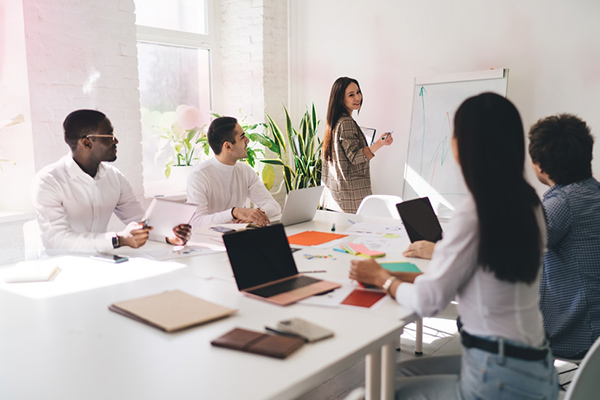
(390, 236)
(400, 267)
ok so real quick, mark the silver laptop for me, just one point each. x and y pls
(264, 268)
(301, 205)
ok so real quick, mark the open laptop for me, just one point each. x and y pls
(419, 220)
(264, 267)
(301, 205)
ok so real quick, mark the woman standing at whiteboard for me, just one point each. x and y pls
(346, 154)
(491, 259)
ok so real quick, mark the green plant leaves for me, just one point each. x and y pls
(305, 167)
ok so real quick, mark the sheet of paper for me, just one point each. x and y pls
(83, 273)
(374, 229)
(312, 238)
(331, 299)
(380, 243)
(363, 298)
(400, 266)
(179, 252)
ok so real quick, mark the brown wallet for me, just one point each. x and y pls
(258, 343)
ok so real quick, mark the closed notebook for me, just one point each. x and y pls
(259, 343)
(172, 310)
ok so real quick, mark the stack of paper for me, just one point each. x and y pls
(30, 272)
(361, 250)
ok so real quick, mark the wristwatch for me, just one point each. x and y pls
(115, 242)
(388, 284)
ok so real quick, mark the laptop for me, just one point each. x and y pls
(301, 205)
(264, 268)
(419, 220)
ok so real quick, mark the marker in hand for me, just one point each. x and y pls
(386, 135)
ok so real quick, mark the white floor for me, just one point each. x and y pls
(440, 337)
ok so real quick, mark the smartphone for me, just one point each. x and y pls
(114, 258)
(221, 229)
(307, 330)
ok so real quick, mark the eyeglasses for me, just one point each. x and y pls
(114, 138)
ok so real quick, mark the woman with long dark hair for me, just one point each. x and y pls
(346, 154)
(490, 258)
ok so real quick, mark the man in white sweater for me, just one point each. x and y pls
(221, 185)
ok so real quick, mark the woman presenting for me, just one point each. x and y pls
(346, 155)
(490, 257)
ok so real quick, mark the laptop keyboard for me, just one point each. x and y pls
(285, 286)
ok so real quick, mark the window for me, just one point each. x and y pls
(175, 50)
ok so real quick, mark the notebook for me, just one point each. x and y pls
(301, 205)
(163, 215)
(264, 268)
(172, 310)
(419, 220)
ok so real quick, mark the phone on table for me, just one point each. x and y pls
(302, 328)
(221, 229)
(114, 258)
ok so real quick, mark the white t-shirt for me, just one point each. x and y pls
(216, 188)
(487, 306)
(73, 209)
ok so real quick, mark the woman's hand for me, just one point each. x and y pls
(368, 272)
(420, 249)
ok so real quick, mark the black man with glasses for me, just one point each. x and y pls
(75, 197)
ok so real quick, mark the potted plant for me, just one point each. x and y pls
(302, 165)
(186, 139)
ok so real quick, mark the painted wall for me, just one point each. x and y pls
(550, 46)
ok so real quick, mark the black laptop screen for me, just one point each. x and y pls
(259, 256)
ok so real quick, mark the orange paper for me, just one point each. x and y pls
(363, 298)
(312, 238)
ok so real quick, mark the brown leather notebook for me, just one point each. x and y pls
(172, 310)
(258, 343)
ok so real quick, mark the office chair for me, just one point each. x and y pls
(380, 205)
(585, 382)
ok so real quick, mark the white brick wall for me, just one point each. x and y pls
(254, 48)
(83, 55)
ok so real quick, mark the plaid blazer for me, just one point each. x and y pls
(348, 176)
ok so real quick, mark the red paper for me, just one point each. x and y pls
(363, 298)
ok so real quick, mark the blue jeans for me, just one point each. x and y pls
(483, 375)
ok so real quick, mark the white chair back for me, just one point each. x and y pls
(585, 382)
(380, 205)
(32, 240)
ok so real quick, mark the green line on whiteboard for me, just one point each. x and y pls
(421, 94)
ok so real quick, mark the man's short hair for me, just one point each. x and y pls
(79, 124)
(221, 130)
(562, 147)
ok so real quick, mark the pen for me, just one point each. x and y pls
(333, 228)
(312, 272)
(386, 135)
(352, 222)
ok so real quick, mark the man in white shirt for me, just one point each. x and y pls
(75, 197)
(221, 185)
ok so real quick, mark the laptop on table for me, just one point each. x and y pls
(420, 220)
(301, 205)
(264, 268)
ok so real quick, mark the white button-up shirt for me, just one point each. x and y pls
(73, 209)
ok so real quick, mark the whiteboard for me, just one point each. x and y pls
(430, 168)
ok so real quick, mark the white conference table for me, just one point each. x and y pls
(72, 347)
